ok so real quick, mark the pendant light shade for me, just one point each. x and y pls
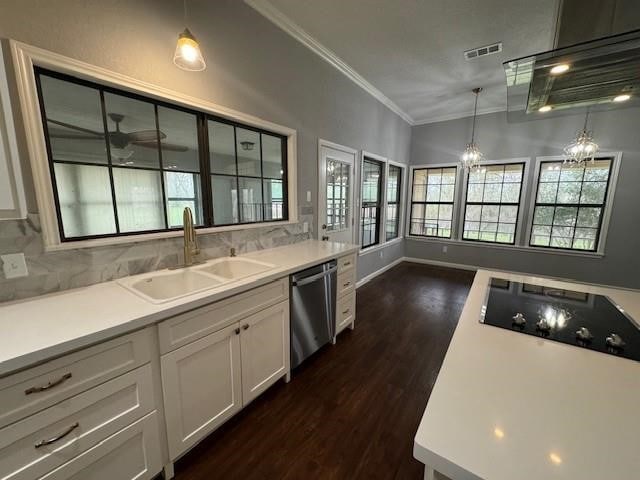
(582, 148)
(188, 55)
(472, 156)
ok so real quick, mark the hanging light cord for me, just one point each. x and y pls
(586, 119)
(475, 110)
(184, 4)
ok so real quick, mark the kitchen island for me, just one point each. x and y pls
(511, 406)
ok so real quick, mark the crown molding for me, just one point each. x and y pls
(266, 9)
(455, 116)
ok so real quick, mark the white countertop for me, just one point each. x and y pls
(37, 329)
(507, 406)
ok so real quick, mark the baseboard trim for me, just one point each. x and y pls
(380, 271)
(439, 263)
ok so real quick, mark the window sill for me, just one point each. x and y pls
(143, 237)
(380, 246)
(452, 241)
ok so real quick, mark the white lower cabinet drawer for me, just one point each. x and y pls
(346, 311)
(133, 453)
(42, 442)
(346, 282)
(37, 388)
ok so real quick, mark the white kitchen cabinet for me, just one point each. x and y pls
(264, 343)
(202, 387)
(346, 294)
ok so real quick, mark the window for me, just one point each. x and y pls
(394, 195)
(124, 164)
(371, 202)
(493, 202)
(337, 206)
(432, 199)
(570, 203)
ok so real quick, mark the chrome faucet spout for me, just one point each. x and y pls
(190, 238)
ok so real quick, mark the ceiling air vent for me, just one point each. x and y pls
(483, 51)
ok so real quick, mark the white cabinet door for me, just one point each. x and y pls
(265, 349)
(202, 387)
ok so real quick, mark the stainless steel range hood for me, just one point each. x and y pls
(596, 43)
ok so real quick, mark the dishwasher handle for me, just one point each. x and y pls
(313, 278)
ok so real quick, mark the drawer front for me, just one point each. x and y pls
(346, 282)
(347, 263)
(132, 453)
(36, 445)
(32, 390)
(187, 327)
(346, 312)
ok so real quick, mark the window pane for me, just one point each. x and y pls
(543, 215)
(547, 193)
(274, 200)
(86, 205)
(248, 151)
(178, 140)
(589, 216)
(392, 222)
(370, 178)
(250, 199)
(138, 199)
(565, 216)
(597, 171)
(222, 150)
(493, 195)
(393, 184)
(550, 172)
(568, 192)
(272, 156)
(74, 121)
(225, 200)
(434, 218)
(593, 192)
(133, 136)
(183, 190)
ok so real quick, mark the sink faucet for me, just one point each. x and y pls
(190, 239)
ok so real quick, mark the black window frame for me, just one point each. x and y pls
(204, 171)
(602, 206)
(426, 202)
(377, 206)
(397, 202)
(517, 205)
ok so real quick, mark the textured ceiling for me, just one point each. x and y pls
(412, 50)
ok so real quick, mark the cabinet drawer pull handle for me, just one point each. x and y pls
(245, 327)
(347, 284)
(346, 264)
(44, 443)
(345, 312)
(237, 330)
(49, 385)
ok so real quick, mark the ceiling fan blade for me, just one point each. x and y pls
(145, 136)
(72, 136)
(165, 146)
(75, 127)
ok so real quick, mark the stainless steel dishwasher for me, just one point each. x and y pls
(313, 309)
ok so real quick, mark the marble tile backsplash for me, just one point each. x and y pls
(55, 271)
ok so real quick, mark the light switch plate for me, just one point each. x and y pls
(14, 265)
(308, 195)
(305, 227)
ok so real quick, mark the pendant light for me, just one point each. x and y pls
(582, 148)
(472, 156)
(188, 55)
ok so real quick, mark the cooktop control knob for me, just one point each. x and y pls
(543, 326)
(615, 341)
(519, 320)
(583, 334)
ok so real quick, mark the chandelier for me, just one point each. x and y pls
(472, 156)
(582, 148)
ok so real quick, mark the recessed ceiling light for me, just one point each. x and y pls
(546, 108)
(558, 69)
(622, 98)
(555, 458)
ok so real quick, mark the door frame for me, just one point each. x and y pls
(322, 188)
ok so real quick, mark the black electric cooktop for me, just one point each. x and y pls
(576, 318)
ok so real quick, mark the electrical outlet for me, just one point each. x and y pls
(381, 253)
(14, 265)
(305, 227)
(444, 249)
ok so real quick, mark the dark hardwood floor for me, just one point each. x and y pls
(351, 411)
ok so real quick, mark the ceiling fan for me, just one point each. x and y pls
(117, 138)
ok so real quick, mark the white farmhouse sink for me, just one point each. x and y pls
(234, 268)
(163, 287)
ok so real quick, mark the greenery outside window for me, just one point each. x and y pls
(570, 204)
(372, 181)
(432, 202)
